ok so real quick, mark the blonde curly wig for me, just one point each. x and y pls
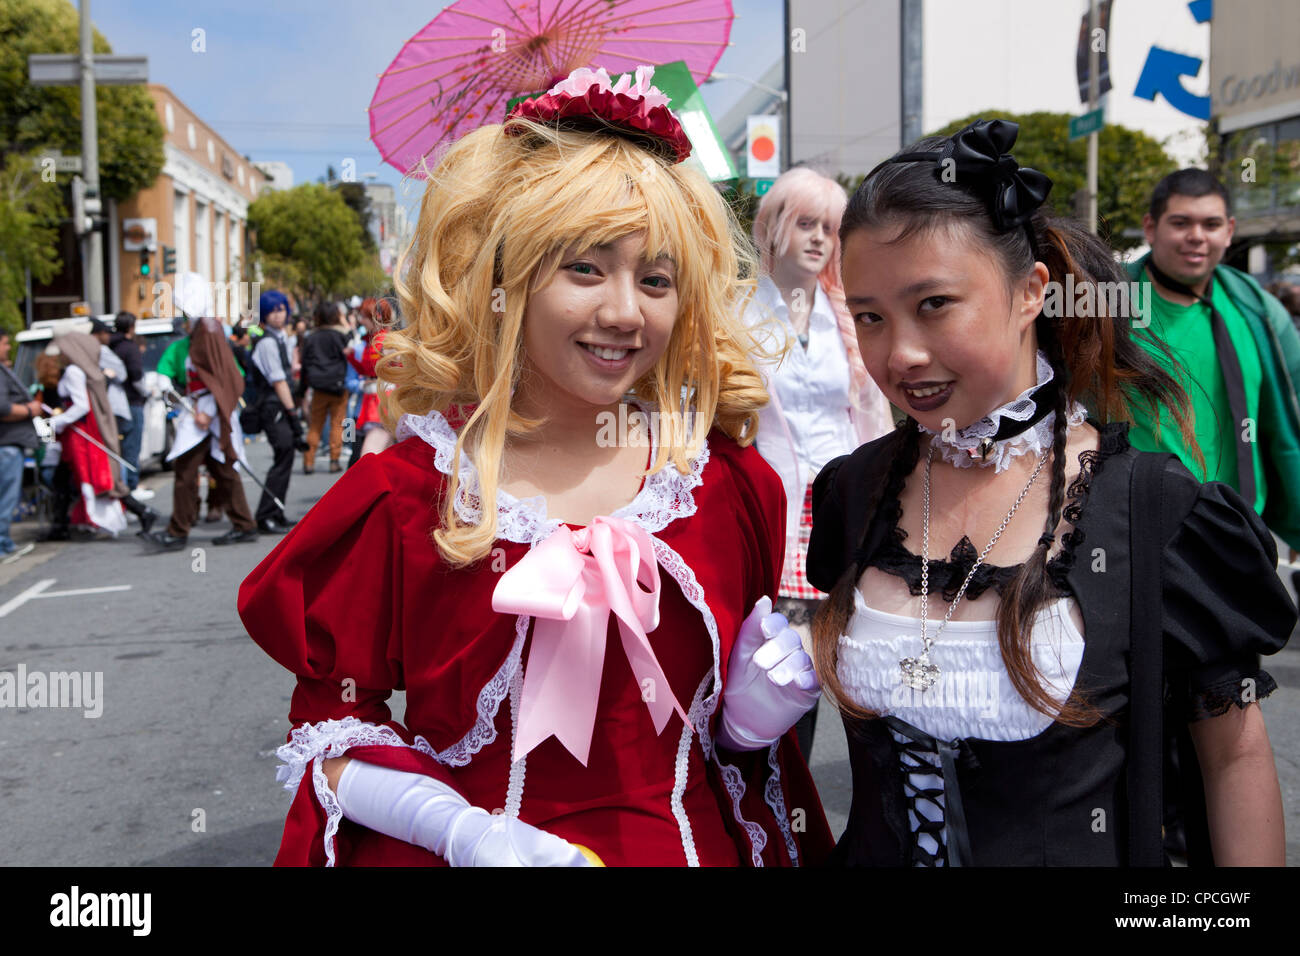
(497, 210)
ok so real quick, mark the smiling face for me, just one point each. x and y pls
(938, 328)
(596, 327)
(1191, 237)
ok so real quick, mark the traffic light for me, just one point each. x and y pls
(81, 221)
(168, 260)
(146, 268)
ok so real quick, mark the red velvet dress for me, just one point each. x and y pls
(357, 602)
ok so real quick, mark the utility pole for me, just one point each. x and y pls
(789, 127)
(912, 79)
(93, 250)
(86, 70)
(1094, 89)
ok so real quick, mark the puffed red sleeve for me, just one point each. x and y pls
(770, 793)
(324, 604)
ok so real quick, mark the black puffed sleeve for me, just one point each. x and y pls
(825, 545)
(1224, 605)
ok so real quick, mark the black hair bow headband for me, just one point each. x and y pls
(978, 156)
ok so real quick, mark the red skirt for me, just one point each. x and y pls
(89, 465)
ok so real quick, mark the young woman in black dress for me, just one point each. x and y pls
(1015, 726)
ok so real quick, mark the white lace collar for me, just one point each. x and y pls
(665, 496)
(961, 447)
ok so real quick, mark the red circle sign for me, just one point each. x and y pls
(763, 148)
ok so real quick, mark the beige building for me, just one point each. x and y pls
(1255, 97)
(197, 209)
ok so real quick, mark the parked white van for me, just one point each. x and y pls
(154, 334)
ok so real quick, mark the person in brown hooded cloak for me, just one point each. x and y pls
(208, 434)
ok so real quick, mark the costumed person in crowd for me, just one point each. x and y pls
(127, 348)
(1000, 702)
(614, 270)
(324, 369)
(375, 316)
(17, 436)
(208, 434)
(49, 369)
(824, 404)
(115, 377)
(274, 410)
(88, 475)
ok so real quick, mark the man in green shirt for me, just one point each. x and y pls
(1238, 351)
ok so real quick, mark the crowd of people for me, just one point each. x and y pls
(84, 416)
(610, 649)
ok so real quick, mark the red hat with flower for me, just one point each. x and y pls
(590, 100)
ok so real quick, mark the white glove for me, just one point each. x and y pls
(770, 682)
(428, 813)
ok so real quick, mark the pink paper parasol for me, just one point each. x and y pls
(459, 71)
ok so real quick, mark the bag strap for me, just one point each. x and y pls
(1145, 775)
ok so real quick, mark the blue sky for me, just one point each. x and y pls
(290, 80)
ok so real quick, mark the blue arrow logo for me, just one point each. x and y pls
(1163, 73)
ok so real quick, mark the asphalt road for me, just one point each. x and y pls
(179, 768)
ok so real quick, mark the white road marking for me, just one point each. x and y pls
(39, 590)
(26, 596)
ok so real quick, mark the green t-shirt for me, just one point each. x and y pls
(172, 362)
(1188, 332)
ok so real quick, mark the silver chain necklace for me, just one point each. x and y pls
(918, 672)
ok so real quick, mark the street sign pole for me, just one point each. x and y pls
(84, 69)
(93, 248)
(1094, 89)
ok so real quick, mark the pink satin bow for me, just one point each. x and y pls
(570, 583)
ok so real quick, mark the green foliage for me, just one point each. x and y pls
(1129, 164)
(309, 237)
(367, 279)
(354, 194)
(30, 212)
(35, 119)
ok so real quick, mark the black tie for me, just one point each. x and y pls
(1230, 366)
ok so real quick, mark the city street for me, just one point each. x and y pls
(179, 768)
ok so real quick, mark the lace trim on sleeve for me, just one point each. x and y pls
(311, 744)
(1219, 698)
(666, 495)
(696, 715)
(681, 572)
(490, 697)
(776, 800)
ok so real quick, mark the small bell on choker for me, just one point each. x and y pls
(985, 447)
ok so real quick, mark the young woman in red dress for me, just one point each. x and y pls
(568, 557)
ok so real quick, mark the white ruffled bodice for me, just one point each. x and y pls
(974, 696)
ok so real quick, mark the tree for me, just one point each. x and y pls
(368, 279)
(34, 119)
(1129, 164)
(307, 232)
(354, 194)
(30, 212)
